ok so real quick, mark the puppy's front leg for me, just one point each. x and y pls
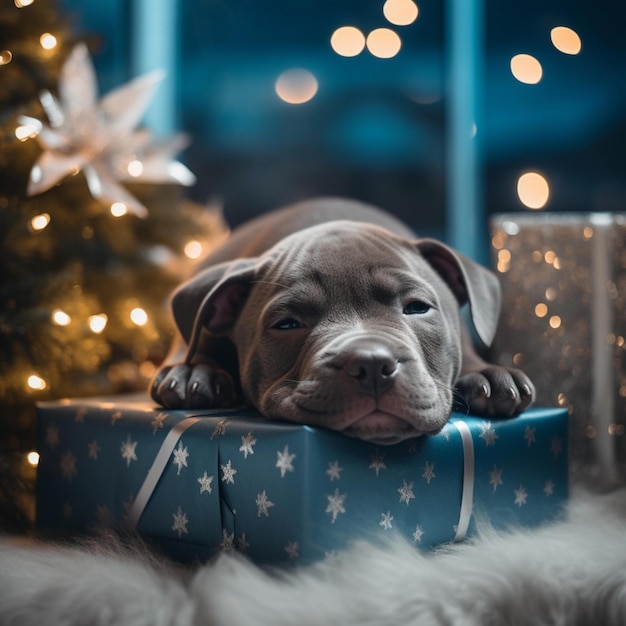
(490, 390)
(201, 384)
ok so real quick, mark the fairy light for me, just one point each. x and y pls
(193, 249)
(138, 316)
(33, 458)
(118, 209)
(6, 56)
(97, 323)
(36, 383)
(39, 222)
(20, 4)
(135, 168)
(26, 131)
(61, 318)
(48, 41)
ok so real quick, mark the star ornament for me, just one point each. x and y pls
(98, 137)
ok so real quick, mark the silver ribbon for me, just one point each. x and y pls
(467, 494)
(156, 470)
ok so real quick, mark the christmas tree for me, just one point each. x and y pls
(87, 258)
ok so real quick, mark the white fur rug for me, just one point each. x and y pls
(570, 573)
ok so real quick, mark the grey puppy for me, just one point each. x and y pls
(332, 313)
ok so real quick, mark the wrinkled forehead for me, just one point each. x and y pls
(344, 243)
(339, 258)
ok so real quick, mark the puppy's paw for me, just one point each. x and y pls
(494, 391)
(197, 386)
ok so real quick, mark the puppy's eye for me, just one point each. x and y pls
(416, 307)
(289, 323)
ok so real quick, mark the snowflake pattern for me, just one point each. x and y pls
(406, 492)
(94, 449)
(52, 436)
(530, 435)
(292, 550)
(247, 445)
(158, 421)
(488, 434)
(180, 523)
(180, 457)
(205, 483)
(378, 462)
(385, 521)
(228, 473)
(548, 488)
(228, 542)
(521, 495)
(242, 543)
(418, 533)
(556, 446)
(429, 472)
(68, 465)
(128, 450)
(284, 461)
(336, 504)
(334, 471)
(263, 504)
(495, 477)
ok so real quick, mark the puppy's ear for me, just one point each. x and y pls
(213, 299)
(470, 282)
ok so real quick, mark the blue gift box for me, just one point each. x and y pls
(195, 481)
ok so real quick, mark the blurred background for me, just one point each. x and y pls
(282, 104)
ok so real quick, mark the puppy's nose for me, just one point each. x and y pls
(373, 368)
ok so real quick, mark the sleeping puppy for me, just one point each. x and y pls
(332, 313)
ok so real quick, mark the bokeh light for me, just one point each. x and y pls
(566, 40)
(193, 249)
(383, 43)
(400, 12)
(35, 382)
(533, 190)
(48, 41)
(296, 86)
(97, 323)
(61, 318)
(526, 69)
(6, 56)
(347, 41)
(118, 209)
(138, 316)
(39, 222)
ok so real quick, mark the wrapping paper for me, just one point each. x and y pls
(196, 482)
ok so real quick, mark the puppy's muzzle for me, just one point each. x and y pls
(369, 364)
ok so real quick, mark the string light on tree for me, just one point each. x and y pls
(61, 318)
(97, 323)
(36, 382)
(193, 249)
(39, 222)
(118, 209)
(138, 316)
(48, 41)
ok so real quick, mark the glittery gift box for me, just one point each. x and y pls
(564, 322)
(195, 482)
